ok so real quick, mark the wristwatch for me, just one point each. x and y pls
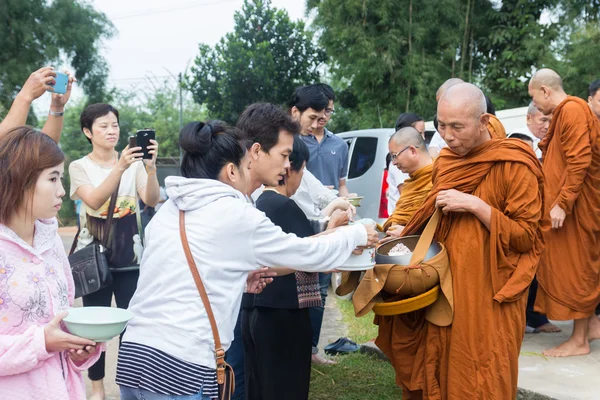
(56, 113)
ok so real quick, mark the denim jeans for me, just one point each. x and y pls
(316, 313)
(235, 357)
(128, 393)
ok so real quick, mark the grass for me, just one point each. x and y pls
(355, 377)
(361, 329)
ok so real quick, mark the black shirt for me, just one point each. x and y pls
(285, 213)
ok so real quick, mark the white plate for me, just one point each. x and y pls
(356, 268)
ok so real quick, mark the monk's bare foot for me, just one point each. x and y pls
(549, 328)
(569, 348)
(594, 332)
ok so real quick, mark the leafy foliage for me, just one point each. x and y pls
(263, 59)
(35, 33)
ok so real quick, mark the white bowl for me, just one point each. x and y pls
(99, 324)
(361, 262)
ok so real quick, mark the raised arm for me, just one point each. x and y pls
(35, 86)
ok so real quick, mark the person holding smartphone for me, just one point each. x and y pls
(38, 83)
(94, 179)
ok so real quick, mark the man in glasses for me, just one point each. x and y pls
(409, 154)
(328, 153)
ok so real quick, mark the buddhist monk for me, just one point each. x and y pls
(569, 272)
(409, 153)
(492, 197)
(495, 127)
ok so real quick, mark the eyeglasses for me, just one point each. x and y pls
(329, 111)
(394, 155)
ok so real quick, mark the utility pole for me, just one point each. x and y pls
(180, 80)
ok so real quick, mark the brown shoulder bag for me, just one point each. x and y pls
(225, 375)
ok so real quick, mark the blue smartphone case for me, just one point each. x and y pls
(62, 81)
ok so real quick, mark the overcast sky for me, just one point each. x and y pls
(160, 37)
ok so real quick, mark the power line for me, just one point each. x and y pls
(167, 10)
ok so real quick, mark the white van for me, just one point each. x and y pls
(367, 152)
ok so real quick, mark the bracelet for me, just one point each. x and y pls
(56, 113)
(150, 173)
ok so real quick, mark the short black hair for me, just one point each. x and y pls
(594, 86)
(327, 90)
(310, 96)
(407, 119)
(93, 112)
(299, 155)
(209, 147)
(262, 123)
(521, 136)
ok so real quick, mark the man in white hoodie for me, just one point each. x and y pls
(270, 130)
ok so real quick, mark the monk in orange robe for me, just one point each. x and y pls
(409, 154)
(569, 272)
(492, 197)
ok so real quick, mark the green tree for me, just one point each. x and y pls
(34, 33)
(581, 60)
(517, 42)
(390, 56)
(263, 59)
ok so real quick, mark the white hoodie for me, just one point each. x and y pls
(228, 238)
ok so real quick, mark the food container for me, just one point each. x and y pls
(99, 324)
(364, 261)
(407, 280)
(355, 201)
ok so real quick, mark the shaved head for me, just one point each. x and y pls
(546, 90)
(468, 96)
(409, 136)
(445, 86)
(546, 77)
(408, 151)
(463, 118)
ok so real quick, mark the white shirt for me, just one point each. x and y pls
(228, 238)
(437, 141)
(395, 178)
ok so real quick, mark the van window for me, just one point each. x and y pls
(363, 156)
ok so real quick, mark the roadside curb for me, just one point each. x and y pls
(523, 394)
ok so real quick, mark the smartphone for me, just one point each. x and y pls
(143, 137)
(61, 83)
(132, 142)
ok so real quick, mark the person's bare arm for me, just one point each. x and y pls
(343, 191)
(54, 124)
(151, 194)
(96, 197)
(35, 86)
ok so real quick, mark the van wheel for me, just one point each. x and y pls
(336, 280)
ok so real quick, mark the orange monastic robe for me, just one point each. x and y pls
(414, 191)
(569, 273)
(495, 128)
(477, 356)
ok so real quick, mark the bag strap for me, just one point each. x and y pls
(75, 240)
(426, 238)
(219, 352)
